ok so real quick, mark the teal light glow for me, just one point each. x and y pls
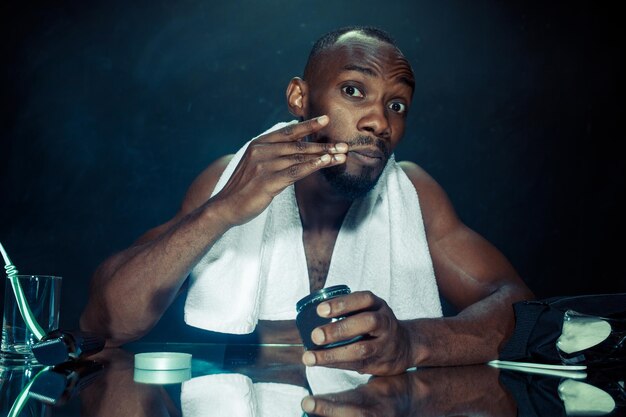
(22, 304)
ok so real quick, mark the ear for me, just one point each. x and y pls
(297, 97)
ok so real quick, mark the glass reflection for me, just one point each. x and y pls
(247, 380)
(469, 390)
(14, 377)
(601, 393)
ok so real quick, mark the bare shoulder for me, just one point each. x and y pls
(427, 188)
(201, 188)
(437, 210)
(418, 176)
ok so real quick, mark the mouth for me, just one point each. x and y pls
(367, 156)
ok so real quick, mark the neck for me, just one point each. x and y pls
(320, 205)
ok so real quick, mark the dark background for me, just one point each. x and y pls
(110, 109)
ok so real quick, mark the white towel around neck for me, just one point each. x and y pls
(259, 271)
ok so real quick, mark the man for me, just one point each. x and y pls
(353, 100)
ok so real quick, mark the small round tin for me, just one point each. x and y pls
(308, 319)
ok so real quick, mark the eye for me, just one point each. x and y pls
(397, 107)
(352, 91)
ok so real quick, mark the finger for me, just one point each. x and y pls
(367, 323)
(297, 151)
(298, 171)
(329, 405)
(283, 155)
(356, 301)
(309, 148)
(295, 131)
(282, 165)
(352, 356)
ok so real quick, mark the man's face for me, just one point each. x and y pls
(365, 87)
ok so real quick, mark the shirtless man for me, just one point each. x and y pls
(353, 102)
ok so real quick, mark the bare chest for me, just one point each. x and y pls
(318, 248)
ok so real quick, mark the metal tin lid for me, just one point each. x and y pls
(321, 295)
(162, 361)
(174, 376)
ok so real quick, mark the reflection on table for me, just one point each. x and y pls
(250, 380)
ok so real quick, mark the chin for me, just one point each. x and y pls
(351, 185)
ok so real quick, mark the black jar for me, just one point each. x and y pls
(308, 319)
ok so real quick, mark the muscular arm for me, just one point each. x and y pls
(472, 274)
(131, 290)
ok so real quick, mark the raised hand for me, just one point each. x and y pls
(271, 163)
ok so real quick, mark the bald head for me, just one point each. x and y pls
(330, 40)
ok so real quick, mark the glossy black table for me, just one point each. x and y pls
(269, 380)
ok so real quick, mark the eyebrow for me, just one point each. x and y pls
(363, 70)
(369, 72)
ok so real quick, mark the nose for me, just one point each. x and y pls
(375, 121)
